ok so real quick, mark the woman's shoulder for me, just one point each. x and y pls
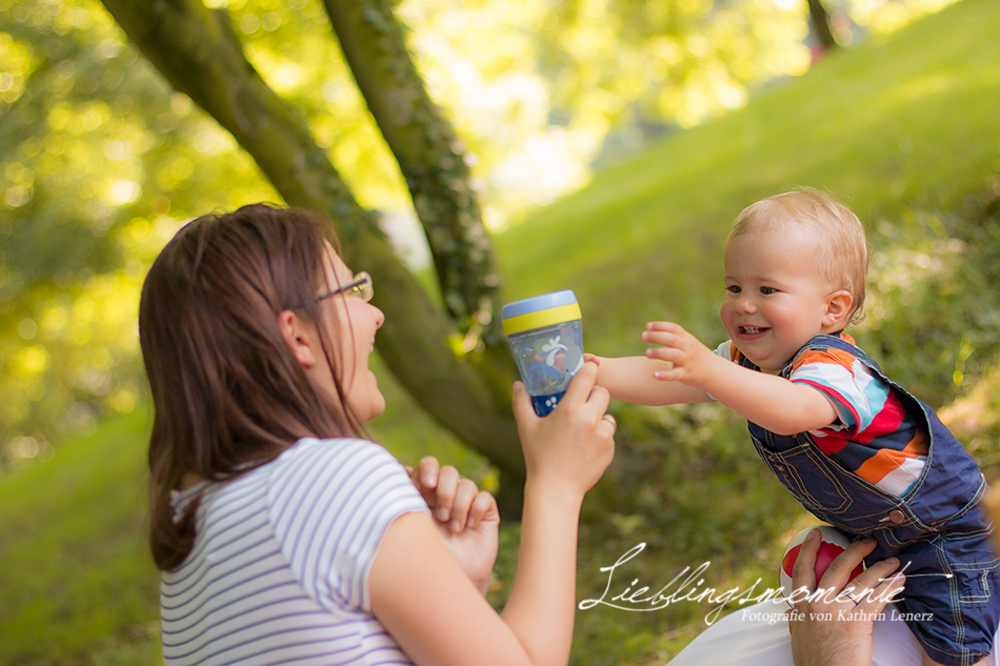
(316, 448)
(338, 451)
(338, 470)
(329, 503)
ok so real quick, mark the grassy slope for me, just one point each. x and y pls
(907, 123)
(75, 574)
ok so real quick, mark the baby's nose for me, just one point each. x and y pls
(746, 304)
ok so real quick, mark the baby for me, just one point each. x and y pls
(856, 449)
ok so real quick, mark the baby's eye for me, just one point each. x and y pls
(733, 288)
(767, 291)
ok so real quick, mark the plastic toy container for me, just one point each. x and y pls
(545, 334)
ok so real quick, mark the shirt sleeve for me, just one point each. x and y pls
(331, 503)
(856, 394)
(727, 350)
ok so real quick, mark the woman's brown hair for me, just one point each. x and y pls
(228, 395)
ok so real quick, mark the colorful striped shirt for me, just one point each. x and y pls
(874, 436)
(279, 569)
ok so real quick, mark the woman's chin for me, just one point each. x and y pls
(377, 406)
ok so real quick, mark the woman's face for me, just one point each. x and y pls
(356, 321)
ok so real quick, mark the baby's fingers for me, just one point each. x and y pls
(664, 326)
(659, 338)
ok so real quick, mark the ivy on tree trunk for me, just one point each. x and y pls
(429, 155)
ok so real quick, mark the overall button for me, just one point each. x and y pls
(896, 516)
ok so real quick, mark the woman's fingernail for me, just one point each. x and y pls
(894, 561)
(443, 514)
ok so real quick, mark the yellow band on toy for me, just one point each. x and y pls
(548, 317)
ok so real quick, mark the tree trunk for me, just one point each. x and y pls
(820, 19)
(200, 55)
(429, 155)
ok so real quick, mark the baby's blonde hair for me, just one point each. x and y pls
(843, 247)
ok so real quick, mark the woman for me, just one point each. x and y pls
(282, 534)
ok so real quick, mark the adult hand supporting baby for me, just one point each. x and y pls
(835, 629)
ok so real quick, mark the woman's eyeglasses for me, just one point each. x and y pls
(361, 286)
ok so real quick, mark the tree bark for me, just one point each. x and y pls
(429, 155)
(198, 52)
(821, 24)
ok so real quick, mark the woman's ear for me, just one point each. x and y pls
(838, 309)
(300, 336)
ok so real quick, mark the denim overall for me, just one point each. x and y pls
(935, 528)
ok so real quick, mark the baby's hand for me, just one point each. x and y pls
(691, 360)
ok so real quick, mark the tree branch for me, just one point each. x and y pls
(429, 155)
(200, 55)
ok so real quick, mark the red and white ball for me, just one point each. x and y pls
(833, 544)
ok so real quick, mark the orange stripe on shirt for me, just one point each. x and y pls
(883, 462)
(918, 445)
(836, 356)
(886, 460)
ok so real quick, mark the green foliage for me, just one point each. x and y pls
(100, 162)
(95, 152)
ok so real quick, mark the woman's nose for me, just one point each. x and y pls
(379, 316)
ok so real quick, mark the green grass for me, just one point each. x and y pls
(904, 128)
(76, 579)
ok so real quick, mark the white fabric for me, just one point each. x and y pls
(279, 569)
(758, 636)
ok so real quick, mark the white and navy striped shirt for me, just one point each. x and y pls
(279, 569)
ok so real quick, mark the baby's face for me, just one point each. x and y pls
(776, 299)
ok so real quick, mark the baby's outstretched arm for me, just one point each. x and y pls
(770, 401)
(633, 379)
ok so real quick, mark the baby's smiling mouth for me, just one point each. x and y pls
(752, 330)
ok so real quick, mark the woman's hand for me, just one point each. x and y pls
(467, 518)
(835, 629)
(572, 446)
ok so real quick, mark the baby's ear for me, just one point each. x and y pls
(838, 309)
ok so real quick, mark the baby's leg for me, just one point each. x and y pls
(927, 661)
(952, 599)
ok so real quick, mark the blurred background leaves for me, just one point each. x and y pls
(100, 162)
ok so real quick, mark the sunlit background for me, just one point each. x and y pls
(100, 162)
